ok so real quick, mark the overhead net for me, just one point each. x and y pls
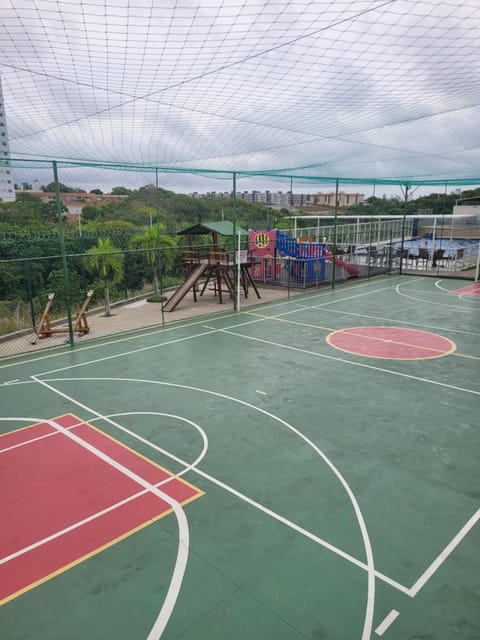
(351, 88)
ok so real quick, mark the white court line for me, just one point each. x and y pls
(77, 525)
(213, 480)
(457, 308)
(196, 335)
(99, 514)
(407, 322)
(183, 533)
(437, 284)
(350, 362)
(440, 559)
(407, 591)
(32, 440)
(383, 626)
(171, 327)
(468, 297)
(370, 566)
(443, 293)
(125, 336)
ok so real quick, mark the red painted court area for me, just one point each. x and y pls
(472, 290)
(61, 503)
(391, 342)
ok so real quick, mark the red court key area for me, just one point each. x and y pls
(61, 504)
(472, 290)
(391, 342)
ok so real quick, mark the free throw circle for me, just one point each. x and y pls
(395, 343)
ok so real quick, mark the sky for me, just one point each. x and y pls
(359, 89)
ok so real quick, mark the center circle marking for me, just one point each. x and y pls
(395, 343)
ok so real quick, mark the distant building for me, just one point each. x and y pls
(75, 202)
(7, 189)
(287, 199)
(344, 199)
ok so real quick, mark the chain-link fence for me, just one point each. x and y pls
(92, 251)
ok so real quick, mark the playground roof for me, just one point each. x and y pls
(222, 227)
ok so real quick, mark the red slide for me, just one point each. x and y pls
(349, 268)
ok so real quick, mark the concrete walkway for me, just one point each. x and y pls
(139, 315)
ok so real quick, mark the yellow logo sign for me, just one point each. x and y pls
(261, 240)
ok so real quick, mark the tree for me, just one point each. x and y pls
(121, 191)
(90, 212)
(61, 187)
(153, 240)
(98, 192)
(105, 261)
(49, 211)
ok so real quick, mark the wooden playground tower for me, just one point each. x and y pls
(212, 264)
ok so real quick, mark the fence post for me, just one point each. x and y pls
(28, 275)
(61, 234)
(334, 252)
(235, 262)
(403, 229)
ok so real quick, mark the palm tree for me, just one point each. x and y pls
(153, 241)
(106, 262)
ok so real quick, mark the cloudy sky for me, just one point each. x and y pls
(386, 89)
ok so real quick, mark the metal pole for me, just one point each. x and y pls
(477, 268)
(238, 270)
(334, 253)
(291, 262)
(370, 229)
(443, 217)
(61, 234)
(28, 274)
(403, 228)
(235, 263)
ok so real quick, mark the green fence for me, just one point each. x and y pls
(113, 230)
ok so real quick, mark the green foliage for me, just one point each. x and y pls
(144, 226)
(156, 299)
(90, 212)
(105, 261)
(56, 282)
(121, 191)
(377, 206)
(156, 245)
(62, 188)
(26, 211)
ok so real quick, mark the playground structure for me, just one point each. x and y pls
(45, 327)
(280, 259)
(212, 265)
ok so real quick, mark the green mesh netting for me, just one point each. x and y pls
(359, 89)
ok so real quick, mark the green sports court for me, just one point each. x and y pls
(302, 469)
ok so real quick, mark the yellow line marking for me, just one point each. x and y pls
(442, 354)
(351, 331)
(138, 454)
(169, 327)
(303, 324)
(199, 493)
(90, 554)
(36, 424)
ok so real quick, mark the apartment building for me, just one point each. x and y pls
(344, 199)
(7, 189)
(287, 199)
